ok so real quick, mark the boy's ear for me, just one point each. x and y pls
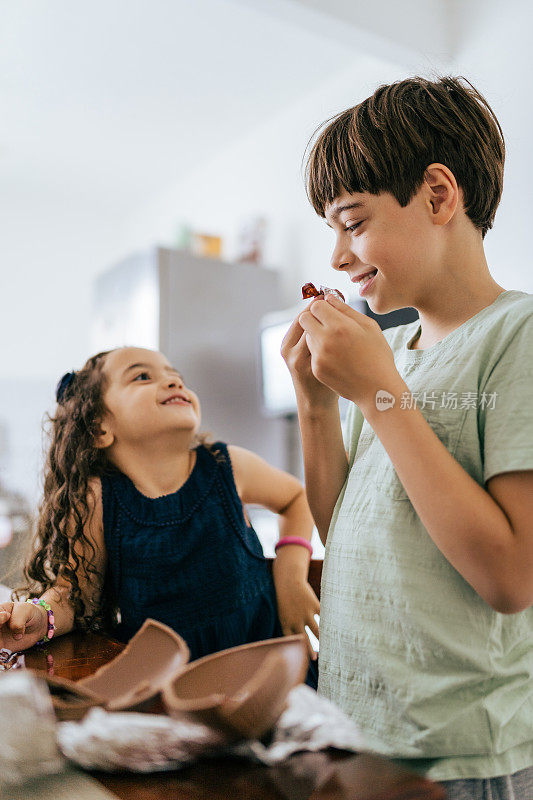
(105, 436)
(442, 193)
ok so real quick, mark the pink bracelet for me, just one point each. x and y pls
(294, 540)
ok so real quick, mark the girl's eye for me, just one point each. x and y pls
(354, 227)
(142, 376)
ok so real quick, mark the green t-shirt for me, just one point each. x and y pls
(427, 669)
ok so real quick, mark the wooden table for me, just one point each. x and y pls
(327, 775)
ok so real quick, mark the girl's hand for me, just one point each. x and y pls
(21, 625)
(297, 606)
(297, 356)
(348, 352)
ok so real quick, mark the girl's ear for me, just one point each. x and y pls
(105, 436)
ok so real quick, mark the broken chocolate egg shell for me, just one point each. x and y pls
(70, 701)
(241, 692)
(136, 675)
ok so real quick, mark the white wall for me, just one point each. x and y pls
(262, 174)
(494, 52)
(23, 405)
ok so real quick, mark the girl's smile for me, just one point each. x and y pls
(176, 399)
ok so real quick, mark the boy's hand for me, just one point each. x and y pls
(21, 625)
(348, 352)
(297, 356)
(297, 606)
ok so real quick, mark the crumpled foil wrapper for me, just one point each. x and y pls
(148, 742)
(335, 292)
(11, 660)
(29, 744)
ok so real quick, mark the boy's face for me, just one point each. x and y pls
(373, 232)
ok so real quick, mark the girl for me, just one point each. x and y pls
(142, 518)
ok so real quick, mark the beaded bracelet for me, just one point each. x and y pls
(294, 540)
(36, 601)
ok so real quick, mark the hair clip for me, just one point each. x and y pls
(63, 385)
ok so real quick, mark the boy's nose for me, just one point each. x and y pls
(340, 258)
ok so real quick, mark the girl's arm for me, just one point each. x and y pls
(22, 624)
(259, 483)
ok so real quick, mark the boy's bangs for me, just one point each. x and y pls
(337, 163)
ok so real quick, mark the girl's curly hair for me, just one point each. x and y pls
(60, 547)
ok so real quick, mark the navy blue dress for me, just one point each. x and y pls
(189, 559)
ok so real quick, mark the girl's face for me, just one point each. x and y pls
(145, 396)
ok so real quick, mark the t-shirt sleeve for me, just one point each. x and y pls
(506, 407)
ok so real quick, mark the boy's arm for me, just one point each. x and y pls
(486, 535)
(325, 460)
(260, 483)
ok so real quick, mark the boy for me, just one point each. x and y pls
(426, 620)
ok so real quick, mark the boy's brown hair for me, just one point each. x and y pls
(385, 143)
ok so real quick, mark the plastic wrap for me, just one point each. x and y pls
(146, 742)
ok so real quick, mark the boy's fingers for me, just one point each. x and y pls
(310, 323)
(344, 308)
(301, 344)
(293, 335)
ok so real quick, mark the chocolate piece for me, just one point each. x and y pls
(241, 691)
(309, 290)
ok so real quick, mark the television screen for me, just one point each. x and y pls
(277, 392)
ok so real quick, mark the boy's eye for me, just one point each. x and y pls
(354, 227)
(142, 376)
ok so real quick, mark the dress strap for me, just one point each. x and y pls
(233, 505)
